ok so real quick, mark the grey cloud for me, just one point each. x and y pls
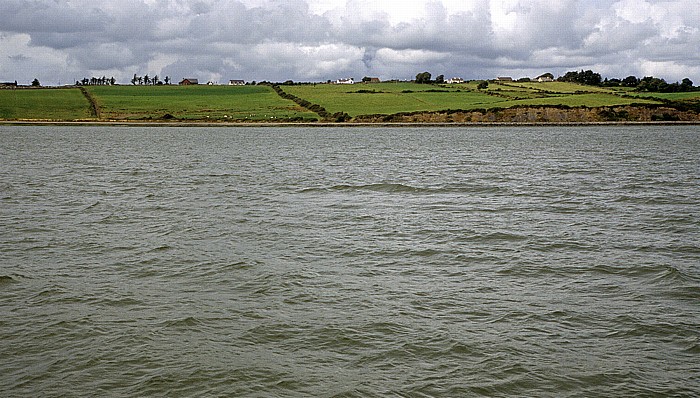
(226, 38)
(49, 17)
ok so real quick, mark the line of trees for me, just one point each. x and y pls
(425, 78)
(149, 81)
(96, 81)
(648, 83)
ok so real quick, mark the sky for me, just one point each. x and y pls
(61, 41)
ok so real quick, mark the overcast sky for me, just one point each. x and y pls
(60, 41)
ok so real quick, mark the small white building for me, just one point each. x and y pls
(236, 82)
(455, 80)
(349, 80)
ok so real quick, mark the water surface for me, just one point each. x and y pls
(352, 262)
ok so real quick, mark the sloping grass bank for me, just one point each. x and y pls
(237, 103)
(44, 104)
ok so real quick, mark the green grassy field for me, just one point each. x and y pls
(689, 96)
(391, 98)
(58, 104)
(254, 103)
(261, 103)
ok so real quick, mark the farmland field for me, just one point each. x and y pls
(59, 104)
(687, 96)
(391, 98)
(261, 103)
(254, 103)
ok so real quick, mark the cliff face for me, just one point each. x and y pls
(543, 115)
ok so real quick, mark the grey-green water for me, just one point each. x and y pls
(364, 262)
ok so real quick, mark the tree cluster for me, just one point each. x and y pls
(96, 81)
(147, 80)
(424, 78)
(587, 77)
(648, 83)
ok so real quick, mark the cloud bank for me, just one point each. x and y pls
(60, 41)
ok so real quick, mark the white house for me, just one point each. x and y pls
(349, 80)
(236, 82)
(455, 80)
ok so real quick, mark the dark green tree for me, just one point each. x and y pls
(587, 77)
(630, 81)
(687, 84)
(483, 85)
(35, 83)
(423, 78)
(440, 79)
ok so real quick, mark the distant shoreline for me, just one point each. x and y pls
(115, 123)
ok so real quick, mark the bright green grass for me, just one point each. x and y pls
(46, 104)
(255, 103)
(555, 87)
(591, 100)
(390, 98)
(689, 96)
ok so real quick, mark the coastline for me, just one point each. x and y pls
(151, 123)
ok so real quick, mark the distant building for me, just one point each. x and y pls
(455, 80)
(504, 79)
(8, 84)
(349, 80)
(189, 82)
(547, 77)
(371, 80)
(236, 82)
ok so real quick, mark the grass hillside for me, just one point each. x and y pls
(254, 103)
(54, 104)
(391, 98)
(360, 101)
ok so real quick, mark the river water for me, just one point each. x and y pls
(353, 262)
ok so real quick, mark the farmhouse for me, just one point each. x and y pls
(349, 80)
(504, 79)
(8, 84)
(547, 77)
(236, 82)
(189, 82)
(455, 80)
(371, 80)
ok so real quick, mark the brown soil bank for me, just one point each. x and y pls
(542, 115)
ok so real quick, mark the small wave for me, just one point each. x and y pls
(494, 237)
(124, 302)
(182, 323)
(92, 206)
(160, 248)
(405, 188)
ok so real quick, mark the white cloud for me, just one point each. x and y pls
(324, 39)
